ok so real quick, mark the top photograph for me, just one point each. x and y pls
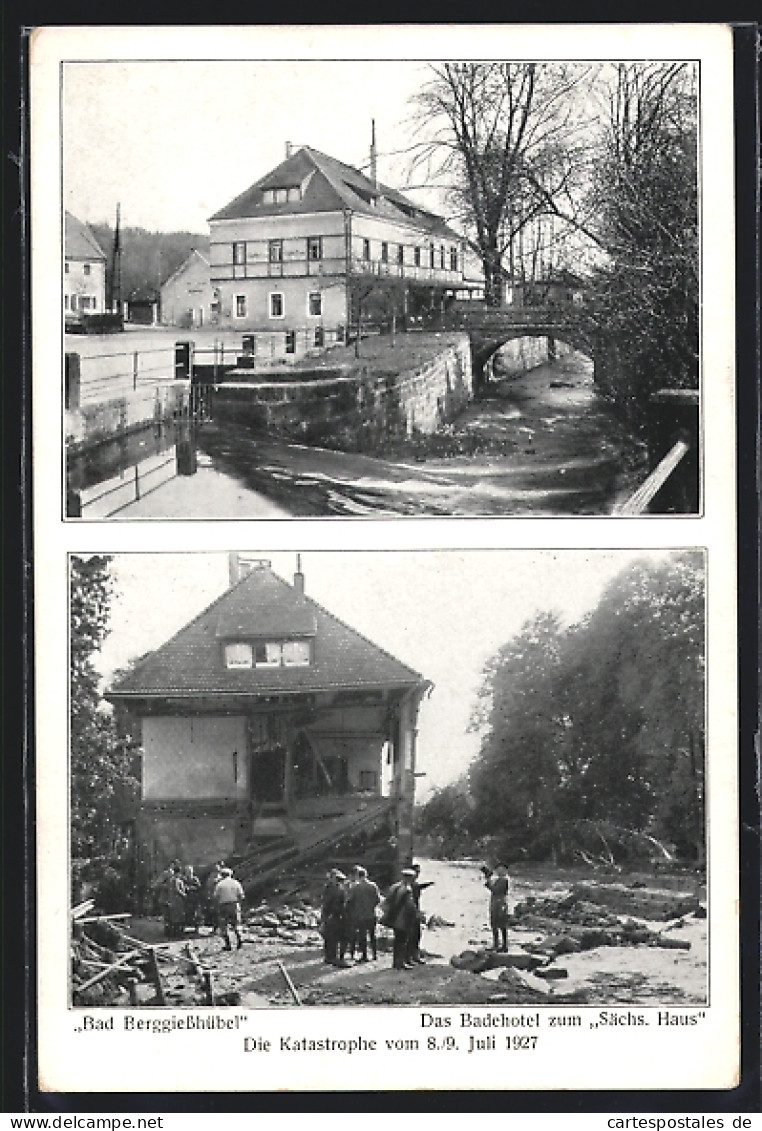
(370, 288)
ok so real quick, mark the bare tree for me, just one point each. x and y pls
(506, 139)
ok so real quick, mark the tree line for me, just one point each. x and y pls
(147, 258)
(592, 735)
(551, 166)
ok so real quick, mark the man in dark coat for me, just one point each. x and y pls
(333, 918)
(414, 953)
(362, 900)
(401, 915)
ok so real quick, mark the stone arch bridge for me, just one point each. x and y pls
(489, 328)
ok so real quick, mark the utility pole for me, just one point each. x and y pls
(115, 280)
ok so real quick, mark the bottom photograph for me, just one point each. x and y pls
(387, 778)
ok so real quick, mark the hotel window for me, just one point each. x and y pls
(442, 257)
(267, 655)
(294, 193)
(432, 259)
(366, 249)
(86, 268)
(315, 304)
(290, 341)
(275, 251)
(453, 259)
(239, 254)
(296, 653)
(314, 247)
(417, 256)
(66, 268)
(277, 307)
(240, 306)
(238, 656)
(319, 337)
(384, 252)
(401, 253)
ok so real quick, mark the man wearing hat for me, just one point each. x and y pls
(362, 900)
(333, 918)
(414, 954)
(229, 897)
(401, 915)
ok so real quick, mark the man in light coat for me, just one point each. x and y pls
(229, 898)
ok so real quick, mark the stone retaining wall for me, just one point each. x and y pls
(354, 409)
(521, 354)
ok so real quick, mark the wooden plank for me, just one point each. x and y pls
(122, 964)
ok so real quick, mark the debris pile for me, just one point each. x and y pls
(295, 924)
(637, 900)
(572, 923)
(108, 967)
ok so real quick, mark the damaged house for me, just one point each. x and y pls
(272, 732)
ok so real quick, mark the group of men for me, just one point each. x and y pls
(186, 904)
(350, 913)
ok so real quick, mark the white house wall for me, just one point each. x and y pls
(198, 758)
(78, 285)
(186, 294)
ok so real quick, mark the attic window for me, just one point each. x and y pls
(281, 195)
(238, 656)
(268, 654)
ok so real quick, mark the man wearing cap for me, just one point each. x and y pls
(414, 953)
(401, 915)
(229, 897)
(333, 918)
(362, 900)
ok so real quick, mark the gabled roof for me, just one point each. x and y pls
(329, 185)
(79, 241)
(194, 254)
(191, 663)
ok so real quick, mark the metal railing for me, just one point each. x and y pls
(107, 375)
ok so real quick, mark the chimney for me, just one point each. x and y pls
(299, 576)
(242, 564)
(373, 154)
(289, 149)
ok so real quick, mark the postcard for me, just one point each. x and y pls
(384, 515)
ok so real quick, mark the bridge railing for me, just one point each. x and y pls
(673, 483)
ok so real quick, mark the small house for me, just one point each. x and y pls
(272, 730)
(187, 296)
(84, 281)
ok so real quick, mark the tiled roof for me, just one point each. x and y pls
(191, 662)
(330, 185)
(79, 241)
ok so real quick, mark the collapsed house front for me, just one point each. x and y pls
(272, 732)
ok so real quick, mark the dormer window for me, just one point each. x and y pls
(296, 653)
(267, 654)
(281, 195)
(239, 656)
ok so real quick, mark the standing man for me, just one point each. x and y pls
(362, 900)
(499, 885)
(415, 939)
(229, 897)
(174, 912)
(400, 914)
(334, 919)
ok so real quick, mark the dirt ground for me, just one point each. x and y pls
(284, 935)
